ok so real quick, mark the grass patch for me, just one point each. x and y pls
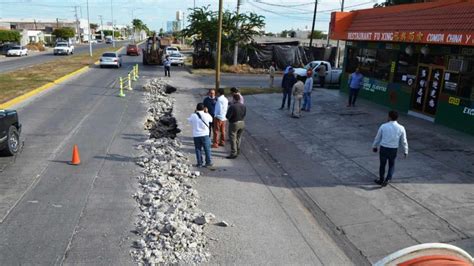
(21, 81)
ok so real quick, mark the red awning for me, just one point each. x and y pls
(440, 22)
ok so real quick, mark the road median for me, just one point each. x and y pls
(21, 84)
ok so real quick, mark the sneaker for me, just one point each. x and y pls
(198, 165)
(210, 167)
(231, 157)
(378, 182)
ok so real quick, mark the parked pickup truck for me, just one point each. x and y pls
(10, 130)
(332, 75)
(63, 48)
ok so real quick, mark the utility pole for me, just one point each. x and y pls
(89, 29)
(101, 28)
(57, 23)
(219, 44)
(338, 53)
(113, 30)
(236, 47)
(314, 21)
(77, 25)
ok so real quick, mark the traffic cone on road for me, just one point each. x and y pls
(76, 160)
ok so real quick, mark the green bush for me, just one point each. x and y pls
(9, 36)
(64, 33)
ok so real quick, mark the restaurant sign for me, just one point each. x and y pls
(414, 37)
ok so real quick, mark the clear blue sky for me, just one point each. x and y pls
(279, 14)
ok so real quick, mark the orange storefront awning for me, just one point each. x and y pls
(441, 22)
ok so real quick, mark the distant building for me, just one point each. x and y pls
(173, 26)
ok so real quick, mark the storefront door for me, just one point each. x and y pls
(429, 81)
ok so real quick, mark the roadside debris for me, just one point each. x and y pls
(170, 226)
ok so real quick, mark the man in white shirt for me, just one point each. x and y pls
(389, 137)
(199, 121)
(218, 125)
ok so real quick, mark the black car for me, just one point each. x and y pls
(10, 130)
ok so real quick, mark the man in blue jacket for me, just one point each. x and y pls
(287, 84)
(355, 83)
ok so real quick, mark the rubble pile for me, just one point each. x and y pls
(170, 226)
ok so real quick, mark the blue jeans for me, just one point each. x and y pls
(387, 154)
(285, 95)
(307, 101)
(199, 144)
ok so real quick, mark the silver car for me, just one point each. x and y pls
(176, 59)
(111, 59)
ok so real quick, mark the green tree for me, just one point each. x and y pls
(94, 26)
(138, 24)
(317, 34)
(9, 36)
(203, 23)
(64, 33)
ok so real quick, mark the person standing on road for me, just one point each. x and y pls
(298, 90)
(287, 84)
(355, 83)
(210, 104)
(322, 75)
(236, 115)
(199, 121)
(233, 92)
(167, 65)
(219, 119)
(308, 89)
(272, 71)
(389, 137)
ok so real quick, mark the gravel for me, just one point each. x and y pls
(170, 227)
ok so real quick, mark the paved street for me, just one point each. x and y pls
(13, 63)
(301, 193)
(53, 213)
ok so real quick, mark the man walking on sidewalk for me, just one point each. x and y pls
(199, 121)
(272, 71)
(389, 137)
(355, 82)
(236, 115)
(218, 125)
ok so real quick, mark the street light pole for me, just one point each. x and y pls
(219, 44)
(89, 29)
(113, 30)
(101, 28)
(236, 47)
(314, 21)
(338, 53)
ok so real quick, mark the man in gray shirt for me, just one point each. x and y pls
(236, 115)
(389, 137)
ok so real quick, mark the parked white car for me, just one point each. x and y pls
(17, 50)
(332, 74)
(63, 48)
(169, 50)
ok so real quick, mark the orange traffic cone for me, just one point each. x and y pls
(75, 156)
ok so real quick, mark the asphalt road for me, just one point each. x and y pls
(13, 63)
(54, 213)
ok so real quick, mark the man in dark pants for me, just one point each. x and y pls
(167, 65)
(236, 115)
(355, 82)
(287, 83)
(389, 137)
(210, 104)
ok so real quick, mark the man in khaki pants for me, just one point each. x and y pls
(236, 115)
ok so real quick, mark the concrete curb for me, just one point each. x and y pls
(46, 86)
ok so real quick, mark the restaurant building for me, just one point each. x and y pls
(416, 58)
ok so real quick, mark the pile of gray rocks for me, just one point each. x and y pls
(170, 225)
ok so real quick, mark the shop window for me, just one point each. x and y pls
(407, 67)
(459, 77)
(372, 63)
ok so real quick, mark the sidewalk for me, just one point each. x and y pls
(328, 154)
(269, 226)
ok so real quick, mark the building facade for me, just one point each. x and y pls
(416, 58)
